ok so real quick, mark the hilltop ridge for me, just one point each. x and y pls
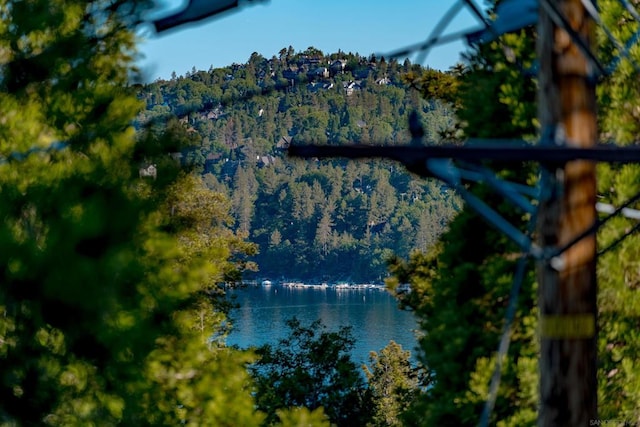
(311, 219)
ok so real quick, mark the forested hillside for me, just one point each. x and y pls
(113, 299)
(312, 220)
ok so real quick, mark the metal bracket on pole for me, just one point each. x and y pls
(435, 161)
(512, 191)
(447, 172)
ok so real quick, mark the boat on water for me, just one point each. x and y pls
(324, 285)
(359, 286)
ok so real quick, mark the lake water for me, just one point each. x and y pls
(373, 315)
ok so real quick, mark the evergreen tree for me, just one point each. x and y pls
(457, 344)
(243, 197)
(618, 279)
(109, 280)
(324, 233)
(236, 141)
(460, 287)
(311, 368)
(393, 384)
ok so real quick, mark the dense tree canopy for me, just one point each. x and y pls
(312, 368)
(460, 287)
(313, 220)
(109, 295)
(394, 384)
(618, 300)
(112, 308)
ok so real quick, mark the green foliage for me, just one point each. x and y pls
(339, 218)
(67, 314)
(497, 93)
(459, 294)
(618, 279)
(190, 372)
(109, 292)
(460, 288)
(393, 384)
(434, 84)
(302, 417)
(311, 368)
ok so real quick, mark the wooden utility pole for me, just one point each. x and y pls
(567, 284)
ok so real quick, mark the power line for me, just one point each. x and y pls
(429, 161)
(505, 339)
(414, 157)
(21, 156)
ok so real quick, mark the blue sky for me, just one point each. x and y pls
(364, 27)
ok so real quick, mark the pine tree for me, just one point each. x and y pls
(618, 278)
(108, 286)
(460, 287)
(455, 292)
(311, 368)
(324, 233)
(393, 383)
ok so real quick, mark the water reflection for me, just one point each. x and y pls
(373, 314)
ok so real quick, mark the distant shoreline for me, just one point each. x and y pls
(340, 285)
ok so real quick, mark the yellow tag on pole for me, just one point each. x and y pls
(568, 326)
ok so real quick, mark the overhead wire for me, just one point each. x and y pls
(594, 227)
(437, 31)
(623, 50)
(422, 49)
(505, 339)
(619, 240)
(436, 36)
(20, 156)
(521, 266)
(504, 343)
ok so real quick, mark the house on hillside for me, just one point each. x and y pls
(213, 114)
(310, 61)
(318, 73)
(291, 72)
(264, 161)
(283, 143)
(149, 171)
(350, 87)
(337, 66)
(313, 87)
